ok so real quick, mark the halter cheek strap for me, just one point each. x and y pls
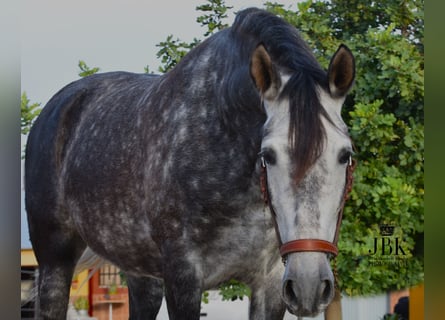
(307, 245)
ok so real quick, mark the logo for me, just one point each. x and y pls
(388, 246)
(386, 230)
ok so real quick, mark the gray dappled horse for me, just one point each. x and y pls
(161, 175)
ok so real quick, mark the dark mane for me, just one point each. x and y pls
(293, 56)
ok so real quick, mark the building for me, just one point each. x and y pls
(104, 292)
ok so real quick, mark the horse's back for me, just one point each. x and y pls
(50, 138)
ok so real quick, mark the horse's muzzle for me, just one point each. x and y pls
(308, 284)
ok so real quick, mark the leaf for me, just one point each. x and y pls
(85, 70)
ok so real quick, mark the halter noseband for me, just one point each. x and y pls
(305, 245)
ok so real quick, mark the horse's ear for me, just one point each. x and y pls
(264, 73)
(341, 72)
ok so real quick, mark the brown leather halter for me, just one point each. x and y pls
(304, 245)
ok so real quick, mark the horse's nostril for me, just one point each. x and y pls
(325, 291)
(289, 292)
(307, 302)
(290, 296)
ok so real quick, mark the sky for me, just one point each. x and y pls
(110, 34)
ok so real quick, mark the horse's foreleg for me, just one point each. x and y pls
(182, 289)
(145, 295)
(266, 302)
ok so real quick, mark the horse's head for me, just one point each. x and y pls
(305, 152)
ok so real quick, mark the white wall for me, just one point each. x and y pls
(361, 308)
(365, 308)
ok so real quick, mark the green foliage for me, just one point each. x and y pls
(81, 303)
(172, 50)
(217, 12)
(28, 112)
(123, 279)
(147, 69)
(85, 70)
(205, 297)
(233, 290)
(230, 291)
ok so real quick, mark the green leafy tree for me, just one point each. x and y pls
(214, 19)
(172, 50)
(28, 111)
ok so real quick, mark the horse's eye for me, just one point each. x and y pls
(345, 157)
(269, 156)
